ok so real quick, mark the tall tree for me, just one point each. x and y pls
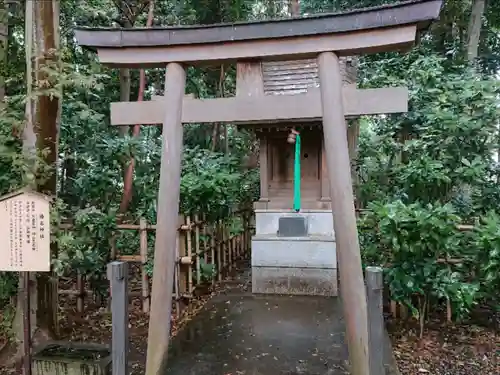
(41, 133)
(128, 11)
(129, 172)
(40, 151)
(4, 37)
(474, 30)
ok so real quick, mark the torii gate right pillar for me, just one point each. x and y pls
(348, 252)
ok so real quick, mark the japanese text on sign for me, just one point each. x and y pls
(24, 228)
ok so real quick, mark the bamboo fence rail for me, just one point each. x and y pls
(206, 253)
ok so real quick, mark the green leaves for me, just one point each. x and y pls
(208, 271)
(414, 242)
(421, 171)
(426, 257)
(444, 142)
(86, 248)
(213, 183)
(486, 243)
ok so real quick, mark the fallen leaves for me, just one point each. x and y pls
(446, 349)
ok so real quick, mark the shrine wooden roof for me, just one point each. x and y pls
(416, 12)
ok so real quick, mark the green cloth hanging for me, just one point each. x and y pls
(296, 176)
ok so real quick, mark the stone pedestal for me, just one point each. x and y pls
(305, 265)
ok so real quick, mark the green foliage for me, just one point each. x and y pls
(414, 242)
(86, 248)
(434, 152)
(8, 286)
(424, 172)
(6, 319)
(214, 183)
(485, 241)
(208, 271)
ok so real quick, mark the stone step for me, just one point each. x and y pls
(302, 252)
(294, 281)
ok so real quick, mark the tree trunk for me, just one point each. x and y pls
(127, 16)
(40, 133)
(47, 138)
(4, 37)
(474, 30)
(124, 74)
(125, 85)
(129, 172)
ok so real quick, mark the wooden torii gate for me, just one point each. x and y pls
(325, 37)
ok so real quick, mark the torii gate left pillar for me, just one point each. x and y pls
(380, 29)
(167, 219)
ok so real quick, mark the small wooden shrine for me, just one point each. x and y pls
(276, 154)
(302, 261)
(296, 244)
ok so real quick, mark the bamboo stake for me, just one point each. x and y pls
(449, 310)
(219, 250)
(247, 233)
(177, 284)
(235, 250)
(182, 252)
(112, 244)
(197, 249)
(213, 231)
(144, 259)
(238, 246)
(230, 248)
(80, 287)
(189, 254)
(205, 239)
(394, 309)
(403, 311)
(224, 249)
(248, 236)
(242, 239)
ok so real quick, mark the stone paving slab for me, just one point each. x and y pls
(242, 334)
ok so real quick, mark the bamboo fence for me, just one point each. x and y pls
(206, 253)
(200, 243)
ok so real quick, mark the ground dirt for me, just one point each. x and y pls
(445, 349)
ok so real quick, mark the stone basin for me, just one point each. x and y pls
(72, 358)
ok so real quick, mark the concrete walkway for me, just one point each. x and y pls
(241, 334)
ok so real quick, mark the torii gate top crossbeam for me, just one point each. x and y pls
(366, 30)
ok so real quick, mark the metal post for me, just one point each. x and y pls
(375, 286)
(118, 279)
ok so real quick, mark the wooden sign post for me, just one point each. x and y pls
(25, 247)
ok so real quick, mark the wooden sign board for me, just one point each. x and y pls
(25, 232)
